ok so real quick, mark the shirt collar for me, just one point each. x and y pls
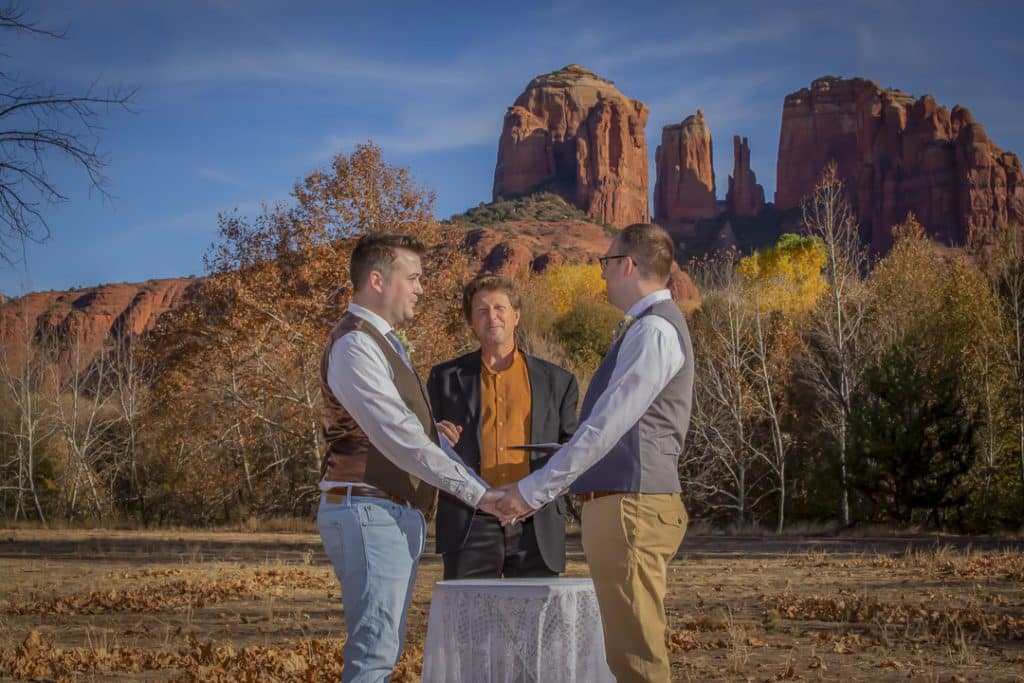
(382, 325)
(516, 360)
(646, 302)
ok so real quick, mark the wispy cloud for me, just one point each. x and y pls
(425, 130)
(726, 100)
(291, 64)
(704, 43)
(218, 176)
(203, 220)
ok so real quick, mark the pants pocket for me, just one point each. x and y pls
(371, 514)
(672, 518)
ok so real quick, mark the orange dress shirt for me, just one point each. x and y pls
(505, 407)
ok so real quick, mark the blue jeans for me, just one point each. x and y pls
(375, 547)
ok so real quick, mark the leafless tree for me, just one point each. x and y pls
(24, 371)
(130, 382)
(81, 399)
(832, 363)
(723, 430)
(771, 364)
(39, 123)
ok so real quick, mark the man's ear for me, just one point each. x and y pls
(376, 281)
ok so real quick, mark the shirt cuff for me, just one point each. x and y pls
(468, 491)
(533, 492)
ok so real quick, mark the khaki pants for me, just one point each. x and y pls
(629, 539)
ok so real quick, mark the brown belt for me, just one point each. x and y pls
(593, 495)
(368, 492)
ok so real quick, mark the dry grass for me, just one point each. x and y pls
(134, 605)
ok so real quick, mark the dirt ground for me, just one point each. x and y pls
(187, 605)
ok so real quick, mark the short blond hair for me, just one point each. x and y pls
(651, 249)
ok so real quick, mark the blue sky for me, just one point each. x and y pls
(238, 100)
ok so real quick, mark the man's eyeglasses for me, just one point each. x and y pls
(603, 260)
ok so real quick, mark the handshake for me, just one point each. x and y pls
(506, 503)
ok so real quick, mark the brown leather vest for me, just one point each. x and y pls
(350, 456)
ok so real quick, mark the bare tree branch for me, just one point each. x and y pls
(39, 125)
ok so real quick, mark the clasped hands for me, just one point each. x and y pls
(506, 503)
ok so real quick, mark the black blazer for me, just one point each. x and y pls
(454, 390)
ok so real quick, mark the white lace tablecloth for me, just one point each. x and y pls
(515, 631)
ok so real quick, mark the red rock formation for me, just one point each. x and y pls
(897, 155)
(685, 186)
(95, 314)
(519, 248)
(745, 196)
(575, 134)
(536, 246)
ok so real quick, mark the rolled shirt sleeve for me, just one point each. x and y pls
(362, 380)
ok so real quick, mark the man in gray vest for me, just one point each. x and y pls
(383, 460)
(624, 455)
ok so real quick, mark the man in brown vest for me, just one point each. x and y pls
(383, 461)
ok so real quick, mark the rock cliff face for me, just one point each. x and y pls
(575, 134)
(897, 154)
(95, 314)
(685, 186)
(745, 196)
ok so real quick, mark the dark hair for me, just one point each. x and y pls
(489, 282)
(376, 251)
(650, 247)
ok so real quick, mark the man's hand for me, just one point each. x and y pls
(449, 430)
(513, 507)
(489, 502)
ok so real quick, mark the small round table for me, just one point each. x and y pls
(514, 631)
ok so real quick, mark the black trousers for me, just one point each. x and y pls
(492, 551)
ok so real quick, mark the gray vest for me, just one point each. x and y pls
(646, 458)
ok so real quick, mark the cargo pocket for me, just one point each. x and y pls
(671, 518)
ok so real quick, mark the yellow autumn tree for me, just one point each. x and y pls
(787, 276)
(567, 318)
(572, 283)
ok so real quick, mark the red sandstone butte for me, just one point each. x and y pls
(575, 134)
(745, 196)
(96, 314)
(685, 186)
(897, 154)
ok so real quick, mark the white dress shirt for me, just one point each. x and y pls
(649, 356)
(362, 380)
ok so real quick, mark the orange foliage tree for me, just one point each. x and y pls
(240, 395)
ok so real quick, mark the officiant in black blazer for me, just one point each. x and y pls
(485, 402)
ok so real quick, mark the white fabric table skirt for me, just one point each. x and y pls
(515, 631)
